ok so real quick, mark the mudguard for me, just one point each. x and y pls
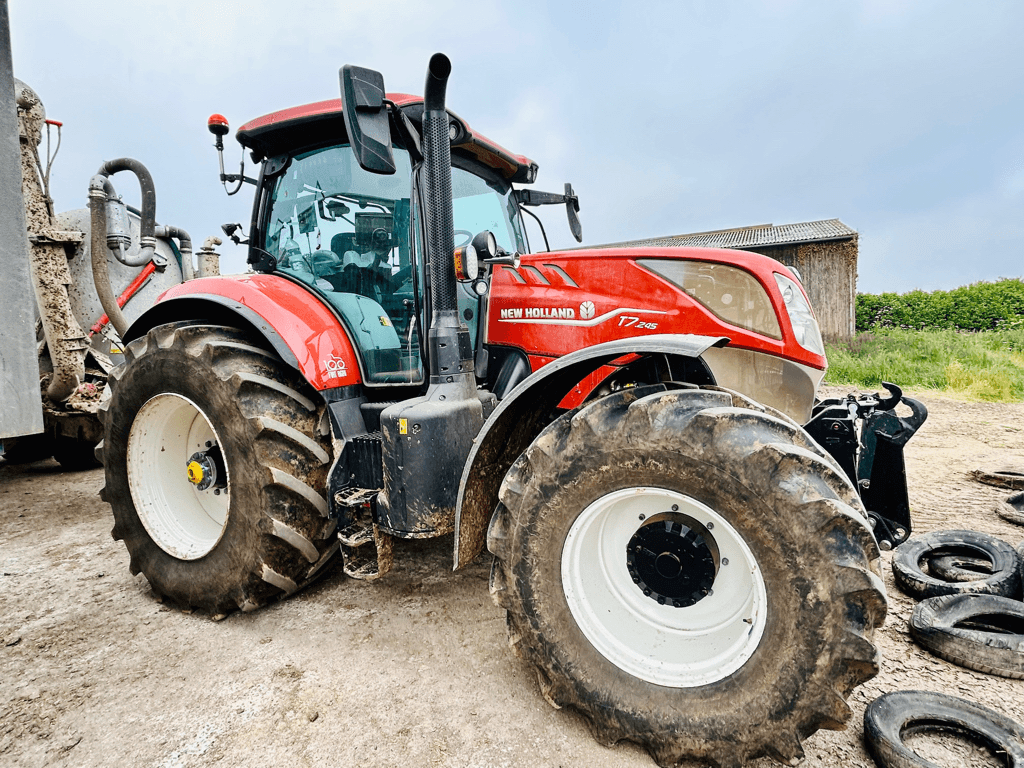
(303, 331)
(525, 411)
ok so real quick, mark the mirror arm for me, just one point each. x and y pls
(539, 224)
(405, 128)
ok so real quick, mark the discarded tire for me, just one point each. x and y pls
(1012, 509)
(979, 632)
(959, 567)
(893, 715)
(213, 453)
(911, 555)
(704, 585)
(1002, 477)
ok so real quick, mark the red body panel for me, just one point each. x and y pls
(487, 151)
(534, 308)
(316, 337)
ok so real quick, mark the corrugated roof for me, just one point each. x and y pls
(746, 237)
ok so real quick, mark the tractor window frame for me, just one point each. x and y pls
(373, 376)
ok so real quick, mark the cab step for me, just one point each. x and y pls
(366, 551)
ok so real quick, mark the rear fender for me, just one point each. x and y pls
(531, 406)
(300, 328)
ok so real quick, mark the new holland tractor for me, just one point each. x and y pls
(679, 558)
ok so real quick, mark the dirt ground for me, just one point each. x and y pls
(413, 670)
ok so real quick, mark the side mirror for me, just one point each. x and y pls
(366, 118)
(572, 209)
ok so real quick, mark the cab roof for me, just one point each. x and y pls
(321, 123)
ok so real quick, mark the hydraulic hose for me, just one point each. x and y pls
(147, 237)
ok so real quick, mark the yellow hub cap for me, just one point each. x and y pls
(195, 472)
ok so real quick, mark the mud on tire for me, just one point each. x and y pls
(184, 388)
(603, 480)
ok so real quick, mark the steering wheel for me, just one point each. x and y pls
(464, 233)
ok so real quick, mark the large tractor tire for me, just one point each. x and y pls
(690, 575)
(216, 455)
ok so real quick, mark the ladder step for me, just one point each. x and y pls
(356, 535)
(367, 563)
(355, 497)
(362, 568)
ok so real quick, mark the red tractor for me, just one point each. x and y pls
(680, 559)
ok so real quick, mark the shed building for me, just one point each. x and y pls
(824, 253)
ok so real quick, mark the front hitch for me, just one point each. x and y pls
(864, 434)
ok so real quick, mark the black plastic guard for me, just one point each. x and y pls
(871, 454)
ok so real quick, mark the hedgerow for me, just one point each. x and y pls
(978, 307)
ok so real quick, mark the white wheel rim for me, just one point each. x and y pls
(680, 647)
(185, 522)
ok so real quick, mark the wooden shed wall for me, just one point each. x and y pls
(829, 272)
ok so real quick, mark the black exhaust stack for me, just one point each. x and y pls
(451, 354)
(427, 439)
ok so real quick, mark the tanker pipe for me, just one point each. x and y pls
(51, 277)
(188, 271)
(147, 238)
(100, 189)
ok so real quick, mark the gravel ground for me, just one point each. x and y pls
(412, 670)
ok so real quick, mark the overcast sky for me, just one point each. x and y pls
(904, 120)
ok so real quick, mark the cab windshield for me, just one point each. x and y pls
(346, 232)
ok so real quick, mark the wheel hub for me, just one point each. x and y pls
(663, 586)
(205, 469)
(669, 560)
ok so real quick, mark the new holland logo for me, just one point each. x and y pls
(587, 317)
(538, 313)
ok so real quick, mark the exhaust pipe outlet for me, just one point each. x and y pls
(438, 176)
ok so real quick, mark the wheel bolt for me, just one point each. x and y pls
(725, 561)
(710, 526)
(642, 516)
(675, 507)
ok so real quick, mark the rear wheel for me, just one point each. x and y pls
(214, 455)
(691, 575)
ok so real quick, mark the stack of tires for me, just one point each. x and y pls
(969, 584)
(971, 614)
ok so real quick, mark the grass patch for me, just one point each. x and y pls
(984, 365)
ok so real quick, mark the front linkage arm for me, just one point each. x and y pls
(864, 434)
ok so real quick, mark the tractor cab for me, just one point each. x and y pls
(355, 238)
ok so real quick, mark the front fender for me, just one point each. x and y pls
(522, 414)
(301, 329)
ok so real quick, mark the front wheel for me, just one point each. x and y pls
(690, 575)
(215, 456)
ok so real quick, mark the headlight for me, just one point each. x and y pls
(804, 325)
